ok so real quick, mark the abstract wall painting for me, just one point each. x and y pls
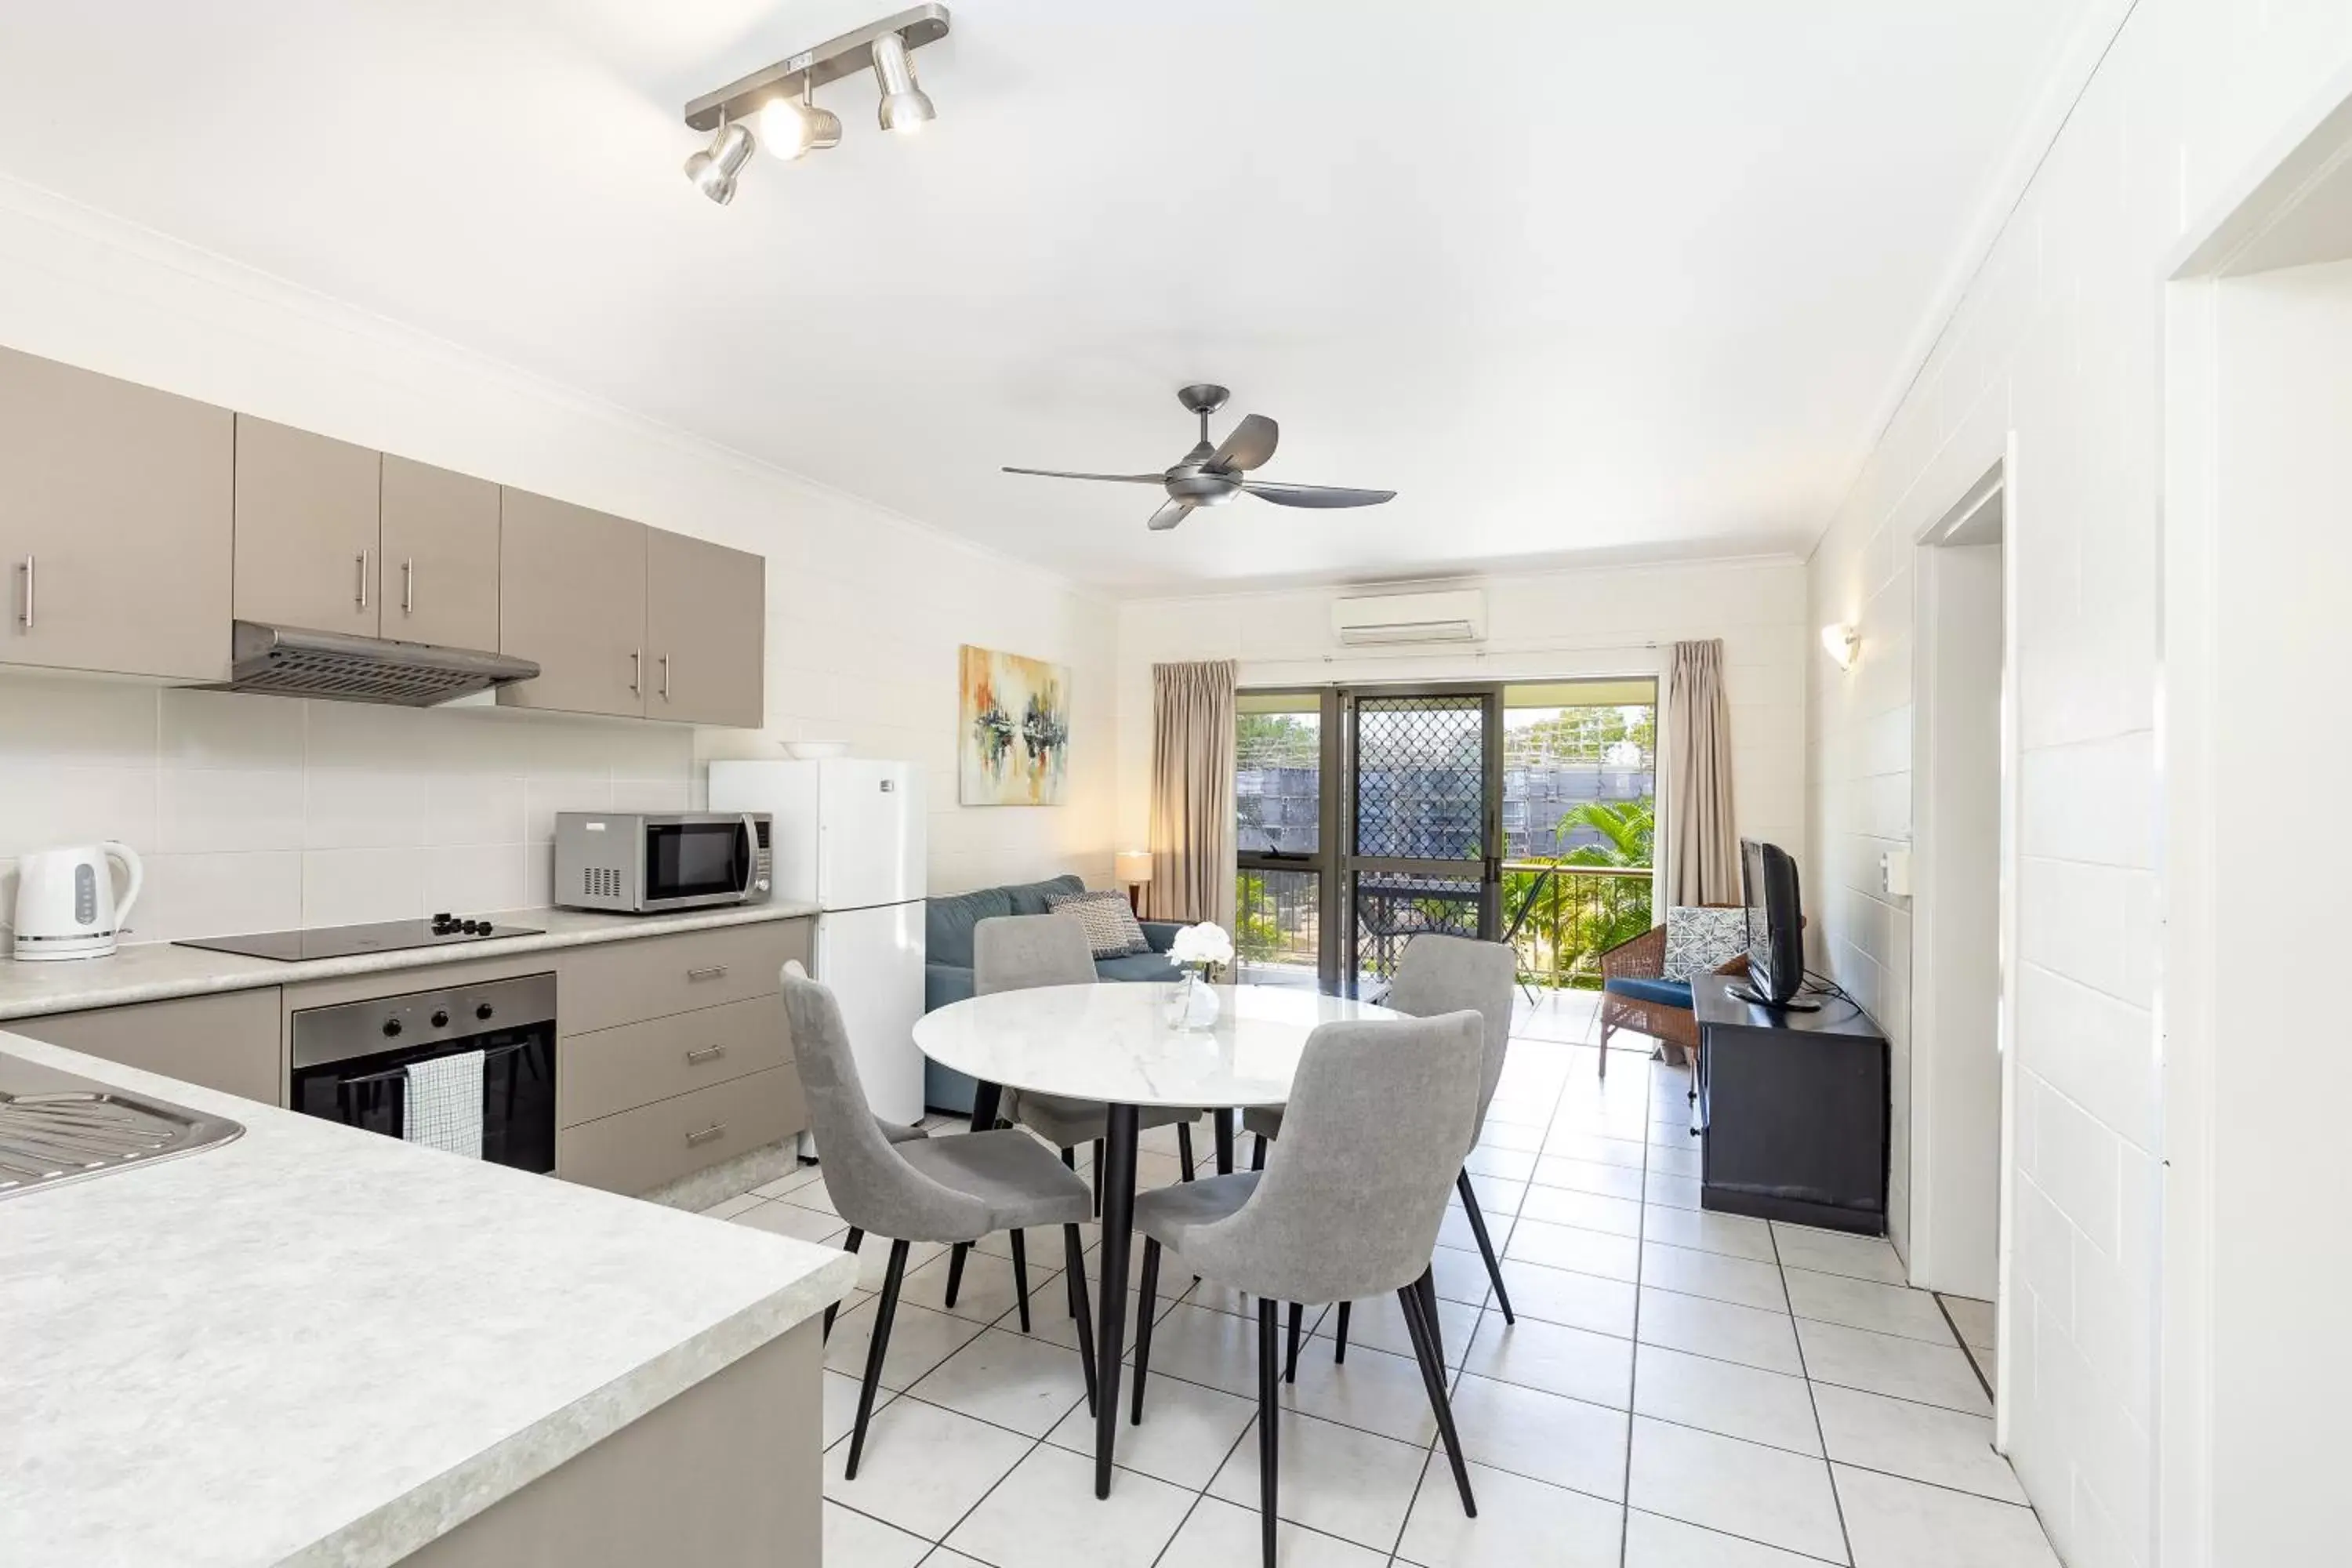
(1015, 746)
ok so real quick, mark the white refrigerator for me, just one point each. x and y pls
(847, 837)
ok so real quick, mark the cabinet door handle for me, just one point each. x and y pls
(408, 588)
(664, 678)
(716, 1129)
(707, 1054)
(712, 973)
(25, 619)
(636, 660)
(361, 561)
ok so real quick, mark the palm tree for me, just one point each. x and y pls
(1629, 833)
(1598, 912)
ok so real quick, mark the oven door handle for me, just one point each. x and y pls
(489, 1056)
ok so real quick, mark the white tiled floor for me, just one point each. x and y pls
(1681, 1389)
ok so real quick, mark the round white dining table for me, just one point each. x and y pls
(1120, 1045)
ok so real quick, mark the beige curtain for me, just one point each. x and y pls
(1193, 793)
(1702, 844)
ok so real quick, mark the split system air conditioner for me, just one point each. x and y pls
(1455, 615)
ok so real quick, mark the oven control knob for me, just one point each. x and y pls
(440, 1020)
(392, 1026)
(483, 1011)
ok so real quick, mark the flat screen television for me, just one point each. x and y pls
(1775, 926)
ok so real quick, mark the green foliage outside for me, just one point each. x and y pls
(1578, 918)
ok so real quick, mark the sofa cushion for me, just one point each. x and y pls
(948, 922)
(1029, 898)
(1639, 988)
(1111, 927)
(1136, 967)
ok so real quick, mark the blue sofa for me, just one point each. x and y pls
(947, 968)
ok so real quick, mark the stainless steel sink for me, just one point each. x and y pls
(56, 1127)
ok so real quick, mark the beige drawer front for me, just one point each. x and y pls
(617, 982)
(612, 1070)
(639, 1149)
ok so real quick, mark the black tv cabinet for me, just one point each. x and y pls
(1792, 1112)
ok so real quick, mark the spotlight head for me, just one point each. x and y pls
(713, 169)
(905, 108)
(793, 128)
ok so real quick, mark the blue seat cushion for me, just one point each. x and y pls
(1136, 967)
(1665, 992)
(1029, 898)
(948, 922)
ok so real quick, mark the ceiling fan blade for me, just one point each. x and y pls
(1250, 445)
(1315, 495)
(1115, 478)
(1169, 516)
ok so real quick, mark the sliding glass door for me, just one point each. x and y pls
(1423, 834)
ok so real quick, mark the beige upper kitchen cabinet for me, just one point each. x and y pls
(572, 596)
(307, 512)
(114, 524)
(705, 620)
(438, 581)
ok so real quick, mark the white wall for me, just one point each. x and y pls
(1540, 625)
(2058, 338)
(263, 811)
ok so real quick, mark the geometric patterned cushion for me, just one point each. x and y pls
(1700, 940)
(1109, 920)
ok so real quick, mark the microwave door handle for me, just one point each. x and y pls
(750, 848)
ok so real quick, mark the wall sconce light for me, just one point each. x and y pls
(1133, 867)
(1842, 644)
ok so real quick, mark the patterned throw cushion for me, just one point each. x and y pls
(1111, 927)
(1700, 940)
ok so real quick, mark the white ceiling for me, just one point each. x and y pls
(1572, 276)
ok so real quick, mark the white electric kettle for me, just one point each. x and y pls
(65, 903)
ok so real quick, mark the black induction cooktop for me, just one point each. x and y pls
(348, 942)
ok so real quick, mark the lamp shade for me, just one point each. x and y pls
(1134, 866)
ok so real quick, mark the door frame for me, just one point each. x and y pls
(1324, 861)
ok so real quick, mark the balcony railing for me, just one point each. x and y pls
(1579, 912)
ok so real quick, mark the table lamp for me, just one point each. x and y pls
(1134, 868)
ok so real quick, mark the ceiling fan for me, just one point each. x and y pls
(1212, 475)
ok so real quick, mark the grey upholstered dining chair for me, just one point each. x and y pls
(1014, 952)
(955, 1190)
(1436, 974)
(1348, 1205)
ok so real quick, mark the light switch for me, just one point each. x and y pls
(1895, 873)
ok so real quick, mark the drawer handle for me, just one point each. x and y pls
(716, 1129)
(712, 973)
(707, 1054)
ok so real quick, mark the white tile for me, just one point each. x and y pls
(229, 730)
(841, 1403)
(58, 722)
(1674, 1192)
(799, 1176)
(474, 808)
(1598, 1368)
(218, 895)
(1733, 1235)
(1836, 1252)
(785, 1220)
(1459, 1275)
(1610, 1180)
(544, 794)
(1726, 1397)
(1749, 1335)
(941, 1557)
(1975, 1320)
(1895, 1523)
(360, 808)
(1568, 1247)
(1454, 1230)
(1333, 1478)
(1712, 1275)
(1588, 1211)
(923, 1468)
(1652, 1541)
(1676, 1161)
(1510, 1164)
(985, 1293)
(1520, 1522)
(1218, 1350)
(1549, 1437)
(649, 795)
(1884, 1363)
(1185, 1434)
(476, 877)
(1922, 1441)
(50, 806)
(728, 1208)
(1220, 1534)
(1379, 1322)
(1499, 1198)
(1766, 1495)
(1564, 1295)
(1862, 1304)
(1511, 1136)
(1005, 1379)
(353, 886)
(1371, 1390)
(810, 1195)
(853, 1540)
(873, 1253)
(919, 1339)
(201, 811)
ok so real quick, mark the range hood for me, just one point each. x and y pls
(290, 661)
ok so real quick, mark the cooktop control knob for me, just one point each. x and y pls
(483, 1011)
(440, 1019)
(391, 1026)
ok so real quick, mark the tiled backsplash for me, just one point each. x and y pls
(258, 812)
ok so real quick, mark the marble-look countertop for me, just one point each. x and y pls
(152, 972)
(315, 1345)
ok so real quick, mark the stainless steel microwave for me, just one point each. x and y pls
(640, 862)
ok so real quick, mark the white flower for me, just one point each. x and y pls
(1204, 943)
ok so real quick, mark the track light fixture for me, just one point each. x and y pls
(781, 98)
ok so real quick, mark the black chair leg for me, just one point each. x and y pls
(1146, 1309)
(955, 1269)
(1426, 1286)
(1075, 1257)
(1070, 1158)
(1485, 1247)
(1184, 1147)
(884, 1311)
(1290, 1345)
(1268, 1400)
(1099, 1157)
(1421, 1330)
(850, 1247)
(1257, 1153)
(1021, 1274)
(1340, 1356)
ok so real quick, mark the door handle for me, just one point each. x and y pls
(362, 559)
(707, 1054)
(716, 1129)
(408, 588)
(711, 972)
(25, 618)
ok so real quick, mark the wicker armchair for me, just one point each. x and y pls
(1645, 958)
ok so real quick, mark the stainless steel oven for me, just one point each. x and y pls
(470, 1069)
(638, 862)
